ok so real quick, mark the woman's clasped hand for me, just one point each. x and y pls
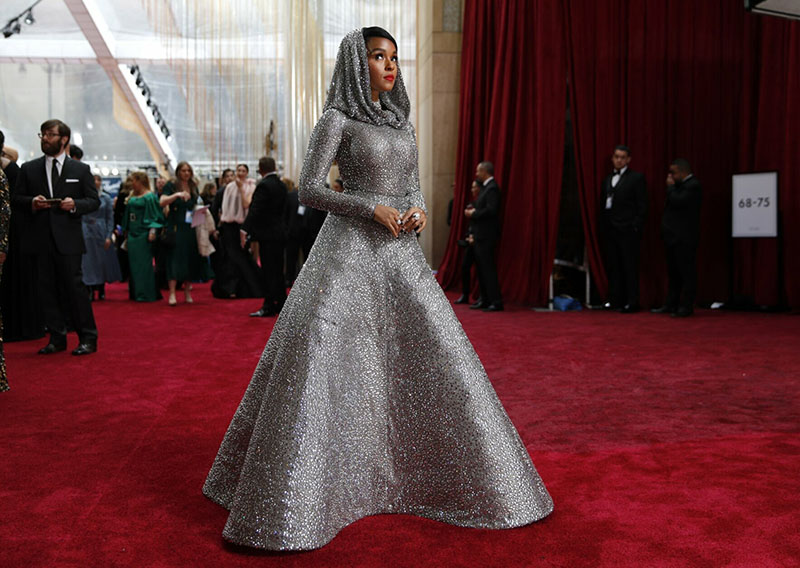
(414, 219)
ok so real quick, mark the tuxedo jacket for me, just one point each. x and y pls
(294, 222)
(265, 218)
(485, 221)
(681, 221)
(75, 181)
(628, 201)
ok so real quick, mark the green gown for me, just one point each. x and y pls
(142, 214)
(184, 262)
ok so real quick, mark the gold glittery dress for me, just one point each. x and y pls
(369, 397)
(5, 220)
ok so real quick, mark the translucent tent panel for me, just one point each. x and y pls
(81, 94)
(219, 72)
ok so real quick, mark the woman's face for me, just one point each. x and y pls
(227, 178)
(382, 58)
(98, 182)
(476, 189)
(241, 172)
(184, 173)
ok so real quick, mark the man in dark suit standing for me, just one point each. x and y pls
(680, 229)
(624, 198)
(294, 219)
(265, 223)
(484, 216)
(53, 191)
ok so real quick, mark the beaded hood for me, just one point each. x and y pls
(350, 92)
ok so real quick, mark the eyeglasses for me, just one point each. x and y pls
(49, 135)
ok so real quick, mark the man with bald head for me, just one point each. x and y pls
(680, 229)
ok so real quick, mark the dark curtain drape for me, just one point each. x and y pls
(701, 80)
(706, 81)
(771, 141)
(513, 89)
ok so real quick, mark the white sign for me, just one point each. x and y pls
(755, 205)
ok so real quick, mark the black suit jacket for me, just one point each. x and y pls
(485, 221)
(294, 222)
(681, 220)
(75, 181)
(216, 205)
(265, 218)
(629, 201)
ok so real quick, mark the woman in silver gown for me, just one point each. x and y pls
(368, 397)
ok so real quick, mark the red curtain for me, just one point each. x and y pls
(513, 90)
(771, 141)
(701, 80)
(705, 81)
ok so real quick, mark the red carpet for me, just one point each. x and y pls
(663, 442)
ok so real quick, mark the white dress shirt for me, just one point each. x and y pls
(48, 169)
(615, 177)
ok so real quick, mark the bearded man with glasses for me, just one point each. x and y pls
(53, 191)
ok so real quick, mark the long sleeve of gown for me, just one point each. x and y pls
(415, 198)
(109, 213)
(322, 149)
(153, 215)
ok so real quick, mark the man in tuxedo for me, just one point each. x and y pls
(265, 223)
(53, 191)
(624, 198)
(484, 216)
(680, 230)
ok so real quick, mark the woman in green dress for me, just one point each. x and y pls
(184, 262)
(143, 218)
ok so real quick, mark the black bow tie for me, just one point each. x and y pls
(617, 172)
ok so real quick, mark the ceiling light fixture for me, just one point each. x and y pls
(13, 26)
(149, 102)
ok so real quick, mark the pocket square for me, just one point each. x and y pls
(68, 180)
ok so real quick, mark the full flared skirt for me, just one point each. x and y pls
(142, 276)
(183, 261)
(369, 399)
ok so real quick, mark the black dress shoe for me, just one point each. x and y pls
(663, 310)
(462, 299)
(85, 349)
(479, 305)
(683, 313)
(262, 313)
(630, 309)
(493, 308)
(51, 348)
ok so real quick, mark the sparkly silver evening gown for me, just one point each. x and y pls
(369, 397)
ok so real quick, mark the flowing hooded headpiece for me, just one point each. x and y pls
(350, 93)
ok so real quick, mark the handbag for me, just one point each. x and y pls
(168, 237)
